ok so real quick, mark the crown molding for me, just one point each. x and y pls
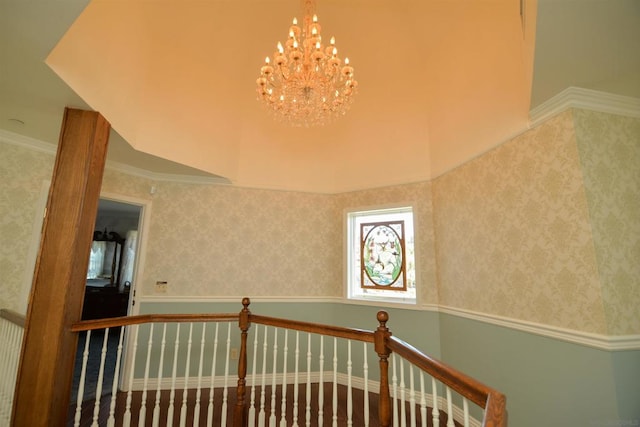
(586, 99)
(48, 148)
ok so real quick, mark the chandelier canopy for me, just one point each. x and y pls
(306, 84)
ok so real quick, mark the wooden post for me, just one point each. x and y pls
(380, 337)
(240, 410)
(48, 349)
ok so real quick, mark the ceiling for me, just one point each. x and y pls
(441, 81)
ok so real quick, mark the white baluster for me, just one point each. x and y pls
(365, 368)
(196, 410)
(213, 376)
(403, 406)
(412, 397)
(156, 406)
(225, 389)
(185, 390)
(349, 389)
(307, 414)
(435, 412)
(272, 417)
(174, 373)
(283, 406)
(465, 409)
(111, 421)
(83, 371)
(103, 356)
(450, 422)
(423, 401)
(261, 414)
(334, 402)
(252, 402)
(143, 403)
(126, 420)
(321, 384)
(394, 384)
(296, 381)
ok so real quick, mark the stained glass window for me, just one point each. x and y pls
(383, 259)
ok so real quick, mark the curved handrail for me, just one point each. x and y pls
(13, 317)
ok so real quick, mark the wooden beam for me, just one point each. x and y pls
(48, 349)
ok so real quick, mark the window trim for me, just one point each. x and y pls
(399, 302)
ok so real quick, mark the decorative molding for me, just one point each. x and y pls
(45, 147)
(586, 99)
(598, 341)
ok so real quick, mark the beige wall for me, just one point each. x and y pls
(507, 234)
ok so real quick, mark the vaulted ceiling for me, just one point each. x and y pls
(441, 81)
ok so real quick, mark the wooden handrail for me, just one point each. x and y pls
(314, 328)
(115, 322)
(12, 316)
(493, 401)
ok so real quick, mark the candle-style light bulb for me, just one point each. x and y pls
(317, 45)
(346, 61)
(315, 18)
(280, 48)
(295, 21)
(333, 40)
(267, 60)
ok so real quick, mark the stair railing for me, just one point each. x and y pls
(11, 332)
(287, 373)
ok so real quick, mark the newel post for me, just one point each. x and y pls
(380, 338)
(240, 410)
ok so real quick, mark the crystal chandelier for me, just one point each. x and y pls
(307, 84)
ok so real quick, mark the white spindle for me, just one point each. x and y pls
(296, 381)
(111, 421)
(252, 402)
(394, 384)
(225, 388)
(261, 414)
(156, 406)
(196, 410)
(185, 390)
(403, 407)
(334, 403)
(423, 401)
(365, 368)
(349, 389)
(126, 420)
(465, 409)
(143, 403)
(85, 357)
(450, 422)
(174, 373)
(283, 406)
(412, 397)
(321, 384)
(213, 375)
(307, 413)
(435, 412)
(103, 356)
(274, 368)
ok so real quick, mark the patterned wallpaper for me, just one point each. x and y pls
(609, 148)
(22, 173)
(228, 241)
(513, 233)
(506, 234)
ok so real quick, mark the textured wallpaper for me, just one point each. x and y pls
(544, 228)
(513, 236)
(229, 241)
(22, 173)
(610, 154)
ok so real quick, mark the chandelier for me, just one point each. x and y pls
(306, 84)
